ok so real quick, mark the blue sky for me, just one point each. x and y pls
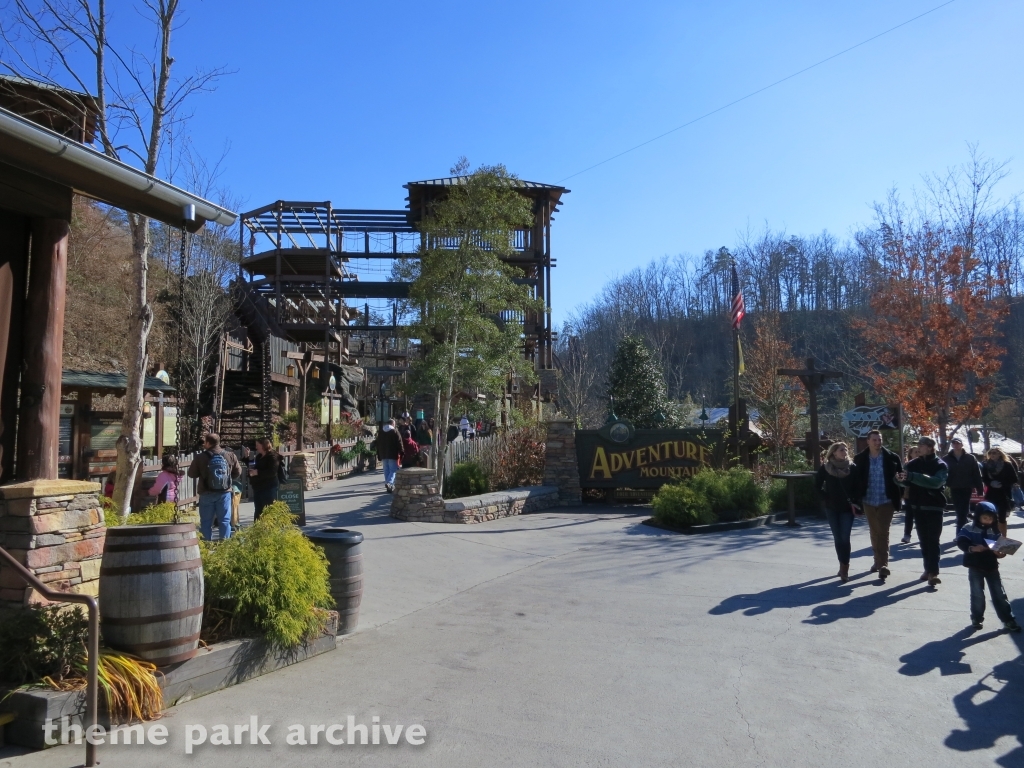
(346, 102)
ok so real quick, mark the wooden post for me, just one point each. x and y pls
(14, 240)
(39, 417)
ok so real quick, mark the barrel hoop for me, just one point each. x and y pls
(181, 565)
(162, 643)
(164, 661)
(193, 542)
(151, 530)
(139, 620)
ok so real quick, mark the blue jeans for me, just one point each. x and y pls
(962, 505)
(261, 497)
(978, 577)
(841, 524)
(390, 470)
(215, 507)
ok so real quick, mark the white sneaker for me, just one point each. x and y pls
(905, 540)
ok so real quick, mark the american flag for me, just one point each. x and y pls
(739, 309)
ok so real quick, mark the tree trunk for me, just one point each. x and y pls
(129, 444)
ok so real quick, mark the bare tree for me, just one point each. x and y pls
(139, 101)
(577, 376)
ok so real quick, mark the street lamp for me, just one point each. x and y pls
(703, 415)
(331, 384)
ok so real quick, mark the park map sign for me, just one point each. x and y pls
(619, 456)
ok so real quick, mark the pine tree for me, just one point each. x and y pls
(637, 385)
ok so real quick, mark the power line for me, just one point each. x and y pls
(759, 90)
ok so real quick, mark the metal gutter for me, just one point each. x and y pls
(47, 154)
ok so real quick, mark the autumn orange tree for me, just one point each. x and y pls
(933, 327)
(776, 399)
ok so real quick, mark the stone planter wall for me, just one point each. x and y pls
(491, 506)
(560, 467)
(55, 528)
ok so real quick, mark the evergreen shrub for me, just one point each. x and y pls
(700, 499)
(40, 642)
(804, 495)
(467, 479)
(266, 579)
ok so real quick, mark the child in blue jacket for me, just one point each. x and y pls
(982, 565)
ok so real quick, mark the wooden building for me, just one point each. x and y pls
(44, 161)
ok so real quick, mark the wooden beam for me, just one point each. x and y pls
(39, 417)
(14, 240)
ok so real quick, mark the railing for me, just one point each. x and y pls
(92, 676)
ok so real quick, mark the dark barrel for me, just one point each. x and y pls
(344, 550)
(151, 591)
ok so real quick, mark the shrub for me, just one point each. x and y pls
(679, 506)
(155, 514)
(267, 578)
(700, 499)
(806, 498)
(518, 459)
(41, 642)
(467, 479)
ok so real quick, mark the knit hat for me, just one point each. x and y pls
(985, 508)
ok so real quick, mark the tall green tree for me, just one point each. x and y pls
(466, 294)
(637, 385)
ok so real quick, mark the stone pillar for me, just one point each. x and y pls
(417, 497)
(55, 529)
(560, 467)
(39, 419)
(303, 465)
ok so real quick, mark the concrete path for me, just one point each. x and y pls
(576, 638)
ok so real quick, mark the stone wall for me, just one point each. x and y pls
(560, 467)
(491, 506)
(54, 528)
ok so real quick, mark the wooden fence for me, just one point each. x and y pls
(480, 450)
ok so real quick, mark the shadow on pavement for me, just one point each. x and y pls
(992, 707)
(807, 593)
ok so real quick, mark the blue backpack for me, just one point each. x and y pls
(218, 475)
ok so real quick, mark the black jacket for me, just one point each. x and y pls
(389, 445)
(837, 493)
(891, 465)
(964, 472)
(1002, 496)
(926, 477)
(975, 533)
(266, 470)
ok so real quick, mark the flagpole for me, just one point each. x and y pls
(736, 386)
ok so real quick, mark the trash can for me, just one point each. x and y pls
(344, 550)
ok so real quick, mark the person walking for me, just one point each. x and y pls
(908, 515)
(215, 470)
(410, 453)
(1000, 475)
(389, 448)
(964, 477)
(165, 487)
(925, 476)
(464, 426)
(425, 436)
(876, 468)
(265, 476)
(836, 487)
(982, 565)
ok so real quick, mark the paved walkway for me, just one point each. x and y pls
(576, 638)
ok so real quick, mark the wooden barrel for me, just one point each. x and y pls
(344, 550)
(151, 591)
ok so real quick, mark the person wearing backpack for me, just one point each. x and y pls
(215, 470)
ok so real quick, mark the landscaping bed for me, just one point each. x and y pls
(213, 668)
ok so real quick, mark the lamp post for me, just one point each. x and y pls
(331, 384)
(703, 415)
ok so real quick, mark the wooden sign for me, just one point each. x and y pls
(618, 456)
(293, 493)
